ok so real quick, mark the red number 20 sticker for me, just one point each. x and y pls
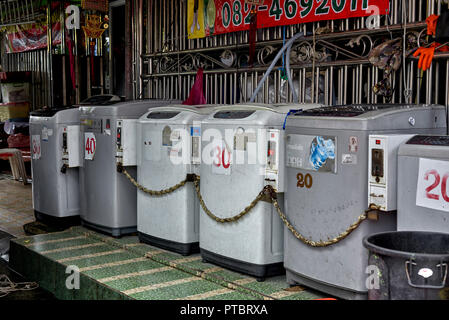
(432, 184)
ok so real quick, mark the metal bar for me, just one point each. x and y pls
(329, 36)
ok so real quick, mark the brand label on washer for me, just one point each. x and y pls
(315, 153)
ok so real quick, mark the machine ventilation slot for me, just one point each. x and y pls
(347, 111)
(162, 115)
(233, 114)
(429, 140)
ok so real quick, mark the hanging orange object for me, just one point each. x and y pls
(432, 24)
(425, 57)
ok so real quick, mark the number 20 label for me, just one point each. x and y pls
(304, 181)
(431, 190)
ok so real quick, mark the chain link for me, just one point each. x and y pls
(152, 192)
(312, 243)
(266, 191)
(235, 218)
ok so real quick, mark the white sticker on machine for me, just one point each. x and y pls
(36, 146)
(348, 159)
(222, 158)
(44, 134)
(353, 144)
(431, 189)
(90, 145)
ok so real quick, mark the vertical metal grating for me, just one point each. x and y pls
(330, 65)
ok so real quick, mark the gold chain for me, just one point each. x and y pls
(312, 243)
(152, 192)
(267, 190)
(235, 218)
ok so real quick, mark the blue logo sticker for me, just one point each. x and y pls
(320, 152)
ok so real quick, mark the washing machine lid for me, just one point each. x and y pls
(48, 113)
(356, 110)
(371, 117)
(56, 115)
(128, 109)
(426, 146)
(170, 111)
(256, 114)
(102, 99)
(429, 140)
(244, 110)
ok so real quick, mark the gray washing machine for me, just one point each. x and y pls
(243, 151)
(108, 133)
(327, 187)
(54, 136)
(423, 168)
(169, 148)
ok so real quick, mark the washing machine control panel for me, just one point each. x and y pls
(126, 135)
(71, 155)
(274, 174)
(382, 173)
(195, 133)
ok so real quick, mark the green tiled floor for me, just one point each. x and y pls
(126, 269)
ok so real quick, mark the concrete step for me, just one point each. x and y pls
(124, 268)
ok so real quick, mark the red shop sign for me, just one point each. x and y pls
(234, 15)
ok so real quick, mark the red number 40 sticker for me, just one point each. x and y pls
(90, 144)
(432, 184)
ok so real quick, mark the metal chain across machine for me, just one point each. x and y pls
(267, 192)
(154, 192)
(312, 243)
(235, 218)
(271, 193)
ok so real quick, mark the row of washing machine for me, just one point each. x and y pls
(189, 179)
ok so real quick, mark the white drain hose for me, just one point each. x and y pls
(273, 63)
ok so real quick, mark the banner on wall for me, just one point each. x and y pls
(223, 16)
(21, 38)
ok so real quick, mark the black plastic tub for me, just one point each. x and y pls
(408, 265)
